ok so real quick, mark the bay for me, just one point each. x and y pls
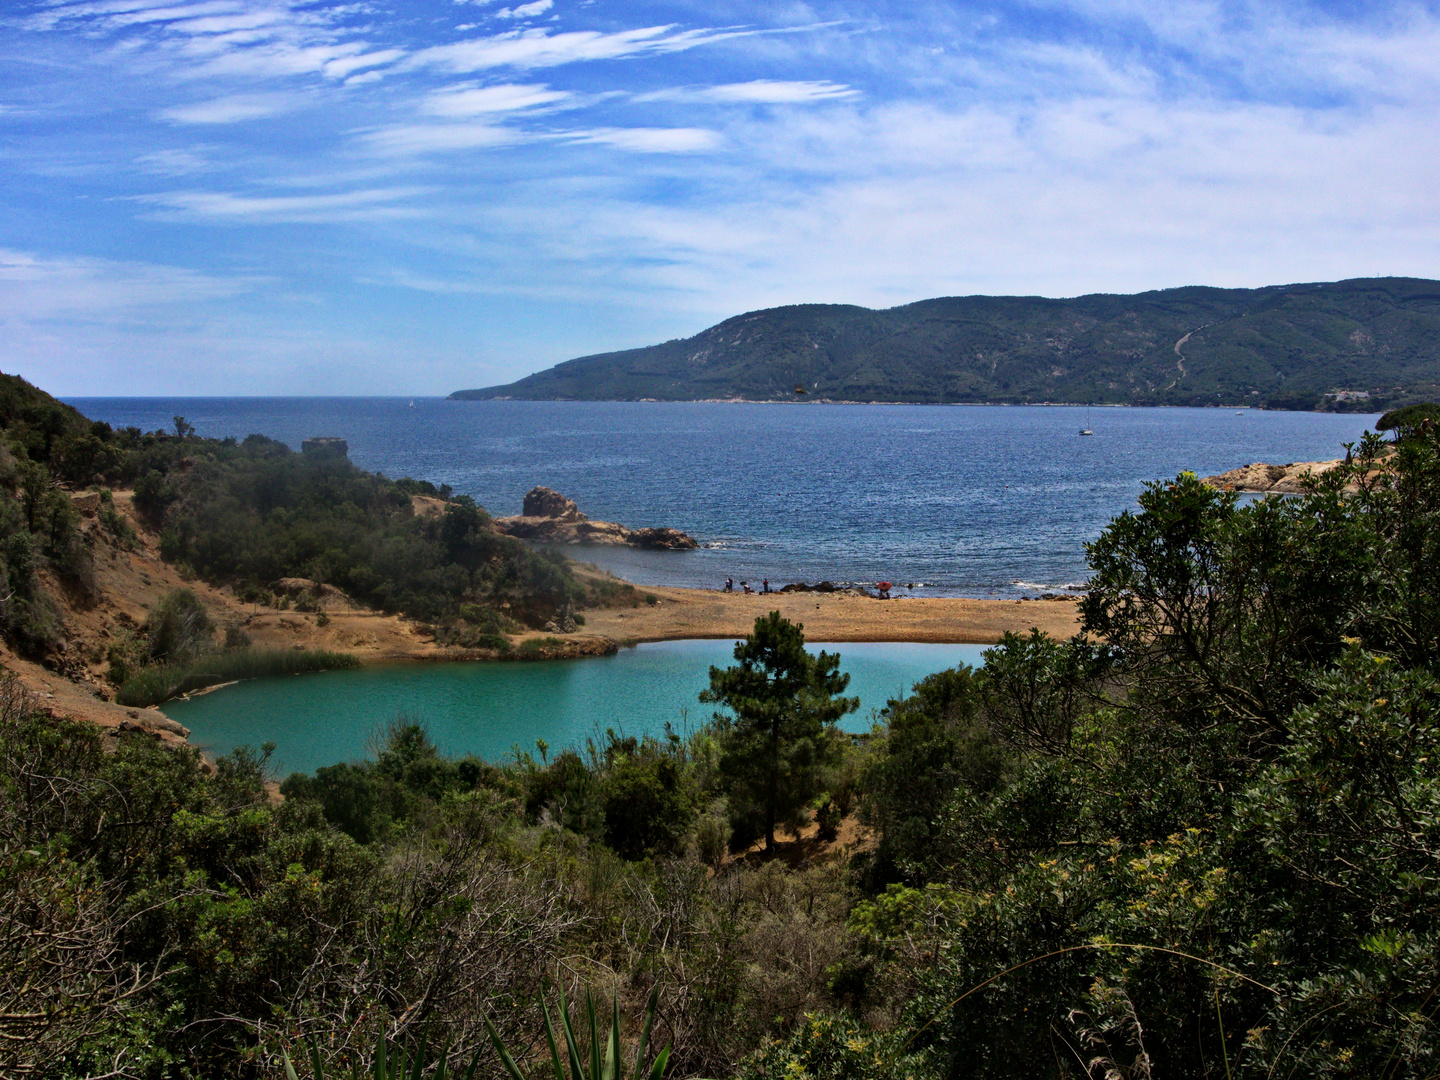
(488, 708)
(986, 501)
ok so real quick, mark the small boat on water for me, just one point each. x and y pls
(1086, 431)
(412, 403)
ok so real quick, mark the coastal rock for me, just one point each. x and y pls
(800, 586)
(663, 539)
(551, 518)
(1288, 479)
(544, 502)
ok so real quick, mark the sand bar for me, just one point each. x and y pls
(843, 616)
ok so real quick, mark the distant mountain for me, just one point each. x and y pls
(1315, 346)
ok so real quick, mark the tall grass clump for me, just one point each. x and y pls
(161, 682)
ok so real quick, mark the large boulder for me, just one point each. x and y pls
(663, 539)
(543, 502)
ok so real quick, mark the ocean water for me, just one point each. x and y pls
(488, 708)
(959, 500)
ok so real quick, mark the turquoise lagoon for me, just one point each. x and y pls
(489, 708)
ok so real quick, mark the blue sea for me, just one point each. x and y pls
(986, 501)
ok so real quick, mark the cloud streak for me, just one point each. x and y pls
(756, 92)
(372, 205)
(538, 48)
(229, 110)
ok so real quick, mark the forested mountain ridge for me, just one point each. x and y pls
(1283, 346)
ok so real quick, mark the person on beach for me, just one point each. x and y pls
(729, 584)
(765, 587)
(746, 586)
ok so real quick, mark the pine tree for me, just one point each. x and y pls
(785, 703)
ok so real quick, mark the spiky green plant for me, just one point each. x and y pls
(611, 1068)
(388, 1063)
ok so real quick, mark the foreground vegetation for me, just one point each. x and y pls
(1200, 839)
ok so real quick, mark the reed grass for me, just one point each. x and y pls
(162, 682)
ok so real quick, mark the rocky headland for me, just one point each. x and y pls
(550, 518)
(1287, 479)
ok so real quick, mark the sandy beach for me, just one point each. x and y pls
(706, 613)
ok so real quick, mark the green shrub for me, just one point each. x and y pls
(153, 495)
(648, 804)
(179, 628)
(250, 593)
(535, 648)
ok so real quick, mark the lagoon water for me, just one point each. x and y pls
(488, 708)
(969, 500)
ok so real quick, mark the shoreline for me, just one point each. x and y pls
(682, 613)
(923, 404)
(131, 579)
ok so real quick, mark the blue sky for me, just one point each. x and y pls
(275, 197)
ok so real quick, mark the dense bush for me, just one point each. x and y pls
(256, 514)
(1207, 848)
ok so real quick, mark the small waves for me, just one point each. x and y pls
(1069, 586)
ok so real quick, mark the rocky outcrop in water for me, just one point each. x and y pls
(1285, 479)
(551, 518)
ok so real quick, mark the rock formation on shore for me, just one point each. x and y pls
(1285, 479)
(551, 518)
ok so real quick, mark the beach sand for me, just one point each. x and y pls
(845, 616)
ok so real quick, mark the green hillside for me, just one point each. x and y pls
(1284, 346)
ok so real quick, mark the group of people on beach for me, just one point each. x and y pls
(745, 585)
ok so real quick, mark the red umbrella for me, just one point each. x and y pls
(883, 586)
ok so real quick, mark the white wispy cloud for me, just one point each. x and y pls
(35, 286)
(374, 204)
(174, 162)
(470, 118)
(232, 109)
(468, 100)
(228, 38)
(650, 140)
(409, 140)
(525, 11)
(537, 48)
(348, 65)
(756, 92)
